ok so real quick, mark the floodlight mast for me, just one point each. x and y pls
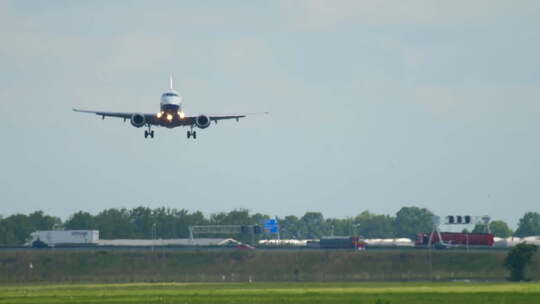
(436, 221)
(469, 220)
(486, 220)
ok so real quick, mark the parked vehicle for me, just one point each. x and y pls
(244, 247)
(55, 238)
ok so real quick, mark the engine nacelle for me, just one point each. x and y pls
(202, 121)
(138, 120)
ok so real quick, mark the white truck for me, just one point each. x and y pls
(54, 238)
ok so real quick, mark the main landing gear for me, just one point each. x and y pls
(192, 134)
(149, 133)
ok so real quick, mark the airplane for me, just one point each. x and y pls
(170, 116)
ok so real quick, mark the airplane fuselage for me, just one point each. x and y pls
(170, 109)
(171, 101)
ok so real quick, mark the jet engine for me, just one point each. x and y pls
(202, 121)
(138, 120)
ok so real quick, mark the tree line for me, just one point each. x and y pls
(168, 223)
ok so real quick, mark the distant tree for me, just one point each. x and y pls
(412, 220)
(497, 228)
(500, 229)
(80, 220)
(174, 223)
(313, 225)
(479, 228)
(165, 223)
(187, 219)
(7, 236)
(16, 229)
(517, 259)
(340, 227)
(40, 221)
(290, 227)
(115, 224)
(234, 217)
(142, 220)
(4, 234)
(371, 225)
(529, 225)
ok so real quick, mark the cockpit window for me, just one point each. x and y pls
(170, 94)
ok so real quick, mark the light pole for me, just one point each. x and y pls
(153, 236)
(353, 228)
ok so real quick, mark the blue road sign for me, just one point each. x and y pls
(271, 226)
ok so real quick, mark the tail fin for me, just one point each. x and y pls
(170, 82)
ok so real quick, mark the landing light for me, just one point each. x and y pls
(181, 115)
(159, 114)
(169, 117)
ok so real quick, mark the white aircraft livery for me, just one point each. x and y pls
(170, 116)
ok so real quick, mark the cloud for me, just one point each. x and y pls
(324, 14)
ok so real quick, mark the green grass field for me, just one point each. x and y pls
(376, 293)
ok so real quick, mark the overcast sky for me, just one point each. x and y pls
(374, 105)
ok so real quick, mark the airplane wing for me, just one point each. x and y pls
(110, 114)
(191, 120)
(215, 118)
(153, 120)
(150, 118)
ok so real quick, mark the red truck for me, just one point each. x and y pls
(456, 238)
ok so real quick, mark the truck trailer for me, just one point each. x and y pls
(345, 242)
(456, 238)
(56, 238)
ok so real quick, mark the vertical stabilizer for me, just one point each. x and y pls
(170, 82)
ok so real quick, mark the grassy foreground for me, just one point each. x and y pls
(104, 266)
(376, 293)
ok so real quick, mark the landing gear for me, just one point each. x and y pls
(149, 133)
(192, 134)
